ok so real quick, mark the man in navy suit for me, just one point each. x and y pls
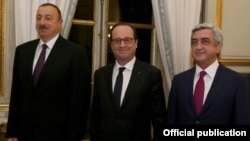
(225, 99)
(55, 108)
(142, 102)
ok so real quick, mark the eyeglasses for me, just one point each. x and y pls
(118, 41)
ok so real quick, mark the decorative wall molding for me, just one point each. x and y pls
(234, 25)
(2, 27)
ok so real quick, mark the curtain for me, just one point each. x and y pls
(25, 17)
(174, 20)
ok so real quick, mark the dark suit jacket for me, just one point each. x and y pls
(56, 108)
(227, 101)
(143, 103)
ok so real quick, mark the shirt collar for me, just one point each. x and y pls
(50, 43)
(128, 66)
(210, 70)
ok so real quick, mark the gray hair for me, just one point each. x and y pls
(218, 37)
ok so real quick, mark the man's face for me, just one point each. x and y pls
(48, 22)
(123, 43)
(204, 48)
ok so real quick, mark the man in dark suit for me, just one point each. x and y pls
(225, 97)
(55, 107)
(141, 103)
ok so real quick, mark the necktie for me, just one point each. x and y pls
(199, 92)
(118, 87)
(39, 64)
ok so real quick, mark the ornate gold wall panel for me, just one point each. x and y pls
(219, 22)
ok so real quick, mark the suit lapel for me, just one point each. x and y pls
(52, 58)
(30, 58)
(134, 80)
(55, 52)
(108, 77)
(217, 84)
(190, 89)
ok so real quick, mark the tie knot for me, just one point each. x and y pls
(121, 69)
(44, 46)
(202, 74)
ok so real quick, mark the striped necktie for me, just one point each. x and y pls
(39, 64)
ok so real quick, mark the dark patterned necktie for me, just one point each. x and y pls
(199, 93)
(39, 64)
(118, 87)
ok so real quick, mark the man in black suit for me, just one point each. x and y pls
(141, 103)
(55, 107)
(225, 99)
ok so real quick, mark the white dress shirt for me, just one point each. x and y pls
(208, 78)
(126, 76)
(50, 45)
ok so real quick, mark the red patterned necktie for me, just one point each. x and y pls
(39, 64)
(199, 92)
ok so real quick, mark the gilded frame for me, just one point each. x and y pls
(2, 25)
(219, 19)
